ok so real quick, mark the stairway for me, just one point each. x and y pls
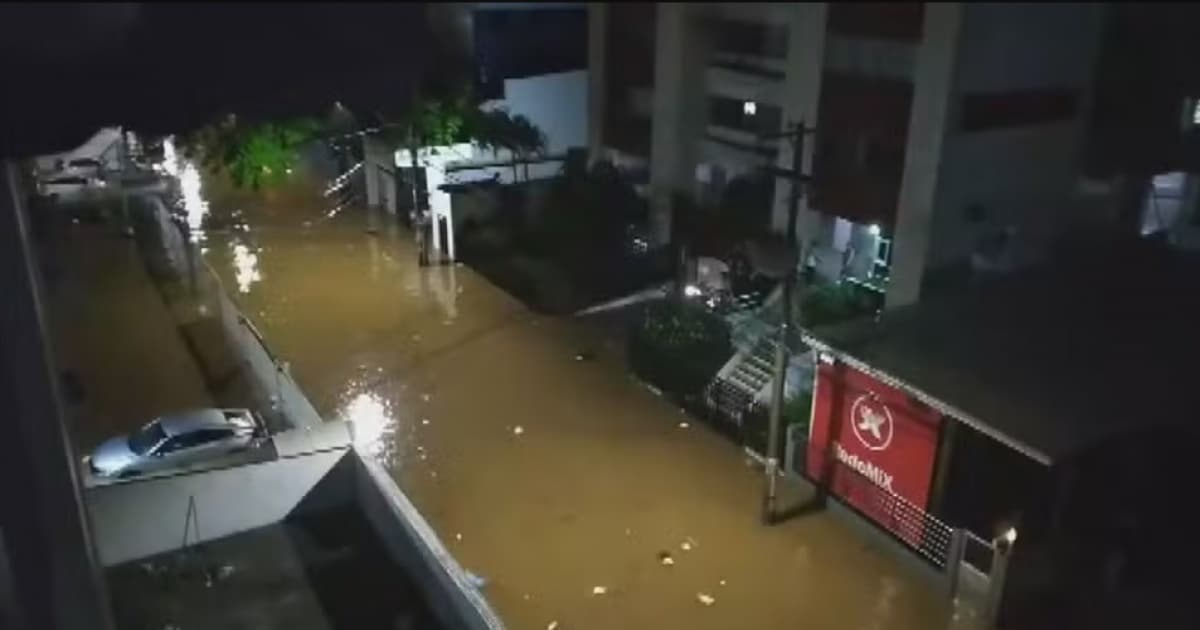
(738, 384)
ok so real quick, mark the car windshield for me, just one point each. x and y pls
(146, 438)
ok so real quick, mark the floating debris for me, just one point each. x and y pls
(688, 544)
(722, 582)
(458, 537)
(706, 599)
(518, 430)
(684, 425)
(425, 421)
(552, 625)
(599, 590)
(665, 558)
(425, 397)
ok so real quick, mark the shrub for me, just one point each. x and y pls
(678, 347)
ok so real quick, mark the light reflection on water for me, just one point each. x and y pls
(245, 267)
(195, 206)
(375, 425)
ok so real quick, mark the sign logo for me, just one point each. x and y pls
(872, 422)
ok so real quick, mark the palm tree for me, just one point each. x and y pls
(527, 140)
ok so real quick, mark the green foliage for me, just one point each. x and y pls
(253, 154)
(679, 346)
(832, 303)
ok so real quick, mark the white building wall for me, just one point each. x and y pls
(557, 103)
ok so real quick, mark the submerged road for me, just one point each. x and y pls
(583, 499)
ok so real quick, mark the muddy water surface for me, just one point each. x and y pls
(583, 500)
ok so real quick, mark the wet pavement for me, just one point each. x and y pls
(114, 337)
(581, 498)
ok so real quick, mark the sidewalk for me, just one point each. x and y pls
(113, 332)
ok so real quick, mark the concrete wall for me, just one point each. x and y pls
(557, 103)
(415, 546)
(144, 517)
(1032, 170)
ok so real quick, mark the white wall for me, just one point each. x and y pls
(142, 518)
(557, 103)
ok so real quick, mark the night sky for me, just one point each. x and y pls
(169, 67)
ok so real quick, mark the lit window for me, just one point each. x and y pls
(749, 108)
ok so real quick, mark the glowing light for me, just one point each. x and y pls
(692, 290)
(194, 204)
(373, 423)
(245, 264)
(1009, 535)
(749, 108)
(875, 230)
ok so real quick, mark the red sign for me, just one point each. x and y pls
(873, 444)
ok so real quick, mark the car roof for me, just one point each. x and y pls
(194, 420)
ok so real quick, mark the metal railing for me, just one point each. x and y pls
(931, 538)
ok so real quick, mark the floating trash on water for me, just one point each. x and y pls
(688, 543)
(665, 558)
(525, 596)
(447, 322)
(599, 590)
(425, 397)
(684, 425)
(458, 537)
(433, 473)
(425, 421)
(518, 430)
(706, 599)
(552, 625)
(628, 531)
(722, 582)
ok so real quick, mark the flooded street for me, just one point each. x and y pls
(584, 500)
(581, 498)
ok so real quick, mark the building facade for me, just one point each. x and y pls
(911, 103)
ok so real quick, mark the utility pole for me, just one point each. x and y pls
(798, 179)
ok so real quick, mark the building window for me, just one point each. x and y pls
(748, 38)
(1190, 116)
(984, 111)
(748, 116)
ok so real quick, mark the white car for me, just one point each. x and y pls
(71, 186)
(175, 440)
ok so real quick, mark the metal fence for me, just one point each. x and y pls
(914, 527)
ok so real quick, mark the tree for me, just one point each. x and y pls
(252, 153)
(432, 122)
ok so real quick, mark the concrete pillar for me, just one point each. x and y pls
(597, 78)
(49, 568)
(928, 126)
(802, 93)
(371, 172)
(679, 111)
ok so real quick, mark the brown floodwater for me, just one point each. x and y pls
(115, 340)
(563, 483)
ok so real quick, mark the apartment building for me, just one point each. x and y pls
(947, 136)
